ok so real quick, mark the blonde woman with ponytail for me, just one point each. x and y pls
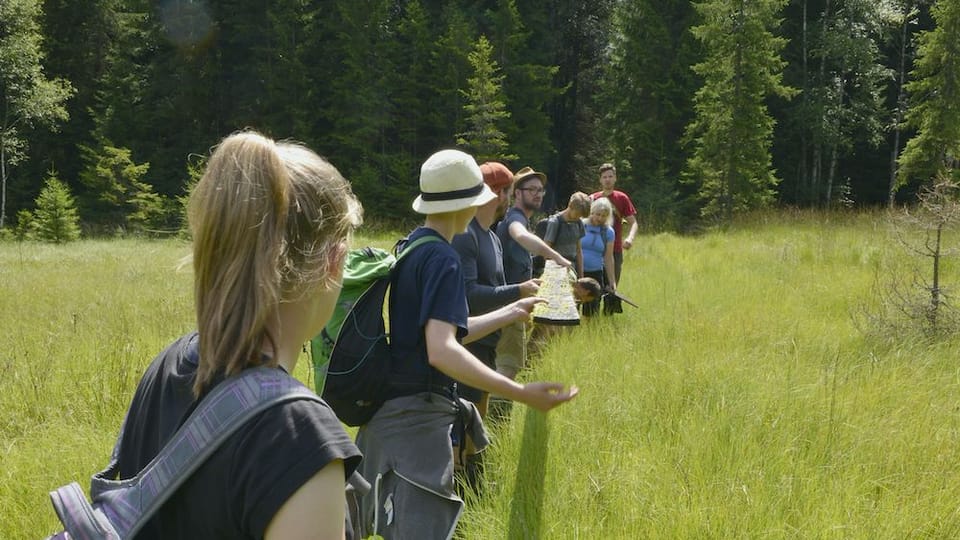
(271, 222)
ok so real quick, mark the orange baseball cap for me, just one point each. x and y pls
(496, 175)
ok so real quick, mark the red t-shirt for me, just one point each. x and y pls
(623, 207)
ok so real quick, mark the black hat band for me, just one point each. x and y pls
(452, 195)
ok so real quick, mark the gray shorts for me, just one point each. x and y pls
(512, 348)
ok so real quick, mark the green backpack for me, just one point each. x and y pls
(351, 355)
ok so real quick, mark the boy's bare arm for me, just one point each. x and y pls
(451, 358)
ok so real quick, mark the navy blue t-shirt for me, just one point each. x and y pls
(428, 284)
(517, 262)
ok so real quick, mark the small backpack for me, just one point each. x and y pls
(120, 508)
(540, 229)
(351, 355)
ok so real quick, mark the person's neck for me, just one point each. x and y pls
(606, 192)
(291, 326)
(445, 225)
(526, 212)
(287, 359)
(485, 217)
(281, 349)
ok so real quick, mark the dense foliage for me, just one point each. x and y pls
(378, 85)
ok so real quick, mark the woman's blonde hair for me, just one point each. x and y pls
(601, 204)
(269, 222)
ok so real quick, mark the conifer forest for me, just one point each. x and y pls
(708, 108)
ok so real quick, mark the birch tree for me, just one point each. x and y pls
(27, 97)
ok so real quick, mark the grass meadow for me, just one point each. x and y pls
(738, 401)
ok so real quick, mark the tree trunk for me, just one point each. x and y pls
(815, 167)
(3, 181)
(901, 103)
(831, 172)
(730, 174)
(834, 144)
(817, 172)
(802, 174)
(935, 286)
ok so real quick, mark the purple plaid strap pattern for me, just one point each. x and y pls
(121, 508)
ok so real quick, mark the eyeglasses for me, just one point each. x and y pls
(535, 191)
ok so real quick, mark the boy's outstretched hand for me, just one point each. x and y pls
(544, 396)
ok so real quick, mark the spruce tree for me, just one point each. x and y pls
(120, 196)
(485, 108)
(56, 218)
(934, 95)
(359, 110)
(732, 131)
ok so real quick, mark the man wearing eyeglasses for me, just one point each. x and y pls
(519, 245)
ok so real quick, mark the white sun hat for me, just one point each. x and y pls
(451, 180)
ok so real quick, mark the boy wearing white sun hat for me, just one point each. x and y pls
(408, 454)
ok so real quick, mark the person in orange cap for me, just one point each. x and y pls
(481, 258)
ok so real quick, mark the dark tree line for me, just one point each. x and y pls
(821, 114)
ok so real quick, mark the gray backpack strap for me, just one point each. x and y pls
(553, 219)
(129, 504)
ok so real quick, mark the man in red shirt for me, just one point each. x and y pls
(623, 210)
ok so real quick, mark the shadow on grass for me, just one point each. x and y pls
(527, 507)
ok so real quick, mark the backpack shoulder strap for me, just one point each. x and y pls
(557, 228)
(405, 247)
(229, 405)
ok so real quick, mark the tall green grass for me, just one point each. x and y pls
(738, 400)
(80, 322)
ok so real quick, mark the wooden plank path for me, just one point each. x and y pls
(557, 288)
